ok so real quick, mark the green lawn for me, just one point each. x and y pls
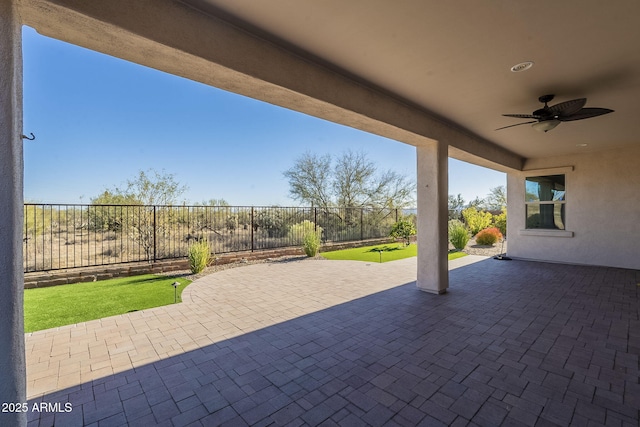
(46, 308)
(389, 252)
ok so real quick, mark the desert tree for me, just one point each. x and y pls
(352, 182)
(214, 202)
(455, 207)
(205, 216)
(310, 180)
(476, 203)
(349, 180)
(497, 198)
(154, 188)
(147, 188)
(145, 191)
(353, 174)
(391, 190)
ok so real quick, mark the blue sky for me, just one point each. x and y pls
(99, 120)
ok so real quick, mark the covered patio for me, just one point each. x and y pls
(317, 342)
(511, 342)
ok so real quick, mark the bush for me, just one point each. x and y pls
(37, 220)
(199, 255)
(231, 223)
(297, 232)
(500, 221)
(476, 220)
(488, 236)
(458, 234)
(311, 243)
(273, 221)
(403, 229)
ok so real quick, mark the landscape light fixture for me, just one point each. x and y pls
(175, 291)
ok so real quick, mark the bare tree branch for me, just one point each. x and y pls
(310, 179)
(353, 181)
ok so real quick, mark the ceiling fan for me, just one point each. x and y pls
(547, 118)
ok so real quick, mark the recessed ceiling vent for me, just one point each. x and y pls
(523, 66)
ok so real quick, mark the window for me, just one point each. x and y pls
(545, 202)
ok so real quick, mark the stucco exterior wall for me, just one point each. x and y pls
(12, 356)
(602, 210)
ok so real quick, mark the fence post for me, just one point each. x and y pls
(396, 214)
(315, 219)
(252, 244)
(154, 234)
(361, 224)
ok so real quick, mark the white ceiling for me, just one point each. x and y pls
(453, 58)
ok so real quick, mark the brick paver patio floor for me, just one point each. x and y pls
(345, 343)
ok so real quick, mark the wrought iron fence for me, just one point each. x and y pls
(67, 236)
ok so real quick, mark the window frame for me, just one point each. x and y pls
(539, 203)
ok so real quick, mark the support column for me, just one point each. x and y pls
(12, 350)
(433, 244)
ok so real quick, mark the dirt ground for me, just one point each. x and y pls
(474, 249)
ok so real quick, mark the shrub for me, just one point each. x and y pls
(458, 234)
(199, 255)
(298, 231)
(273, 221)
(231, 223)
(311, 243)
(476, 220)
(110, 218)
(37, 220)
(500, 221)
(403, 229)
(488, 236)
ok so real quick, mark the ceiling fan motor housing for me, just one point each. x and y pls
(542, 113)
(546, 98)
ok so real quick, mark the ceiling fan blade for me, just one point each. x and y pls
(518, 124)
(568, 108)
(585, 113)
(523, 116)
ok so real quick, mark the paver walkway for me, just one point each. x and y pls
(347, 343)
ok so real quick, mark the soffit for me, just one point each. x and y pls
(453, 59)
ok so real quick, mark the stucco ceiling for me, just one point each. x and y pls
(453, 59)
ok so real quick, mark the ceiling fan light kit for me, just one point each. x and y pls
(548, 117)
(546, 125)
